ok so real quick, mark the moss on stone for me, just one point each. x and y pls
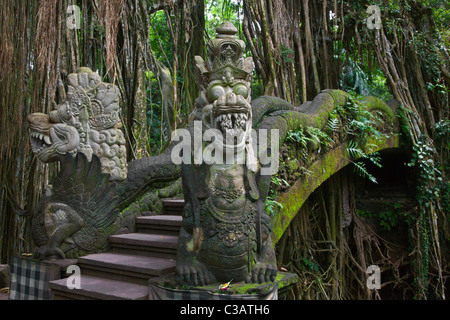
(319, 171)
(373, 103)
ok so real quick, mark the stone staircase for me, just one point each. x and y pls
(134, 258)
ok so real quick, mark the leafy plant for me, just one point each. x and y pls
(333, 123)
(320, 137)
(429, 174)
(387, 219)
(299, 137)
(272, 205)
(310, 265)
(431, 187)
(354, 152)
(278, 181)
(310, 135)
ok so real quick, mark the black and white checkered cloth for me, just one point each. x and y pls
(29, 279)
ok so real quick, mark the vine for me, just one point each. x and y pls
(430, 187)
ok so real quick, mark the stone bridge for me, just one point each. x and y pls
(325, 113)
(322, 164)
(320, 170)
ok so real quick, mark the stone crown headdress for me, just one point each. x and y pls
(224, 57)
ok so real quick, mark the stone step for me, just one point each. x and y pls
(156, 245)
(149, 213)
(94, 288)
(125, 267)
(173, 206)
(159, 224)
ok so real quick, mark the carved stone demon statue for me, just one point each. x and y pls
(225, 233)
(79, 210)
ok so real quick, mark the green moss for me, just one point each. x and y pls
(340, 97)
(286, 279)
(292, 200)
(319, 172)
(373, 103)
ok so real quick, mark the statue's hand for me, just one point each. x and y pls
(48, 252)
(194, 274)
(262, 272)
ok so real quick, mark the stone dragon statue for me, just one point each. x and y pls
(79, 209)
(83, 204)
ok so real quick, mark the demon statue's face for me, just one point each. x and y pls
(225, 83)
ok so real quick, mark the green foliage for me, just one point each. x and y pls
(432, 191)
(355, 152)
(320, 137)
(310, 265)
(272, 205)
(159, 41)
(405, 129)
(299, 137)
(443, 132)
(333, 123)
(278, 181)
(286, 55)
(441, 12)
(429, 175)
(304, 137)
(361, 79)
(429, 55)
(439, 88)
(387, 219)
(360, 126)
(219, 11)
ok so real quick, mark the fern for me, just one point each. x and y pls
(333, 124)
(319, 136)
(299, 137)
(271, 206)
(279, 181)
(354, 151)
(375, 158)
(361, 170)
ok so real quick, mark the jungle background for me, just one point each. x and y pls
(299, 47)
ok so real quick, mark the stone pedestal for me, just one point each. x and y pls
(167, 288)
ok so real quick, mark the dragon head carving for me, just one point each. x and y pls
(87, 122)
(224, 79)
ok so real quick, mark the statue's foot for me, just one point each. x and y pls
(194, 274)
(47, 253)
(262, 272)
